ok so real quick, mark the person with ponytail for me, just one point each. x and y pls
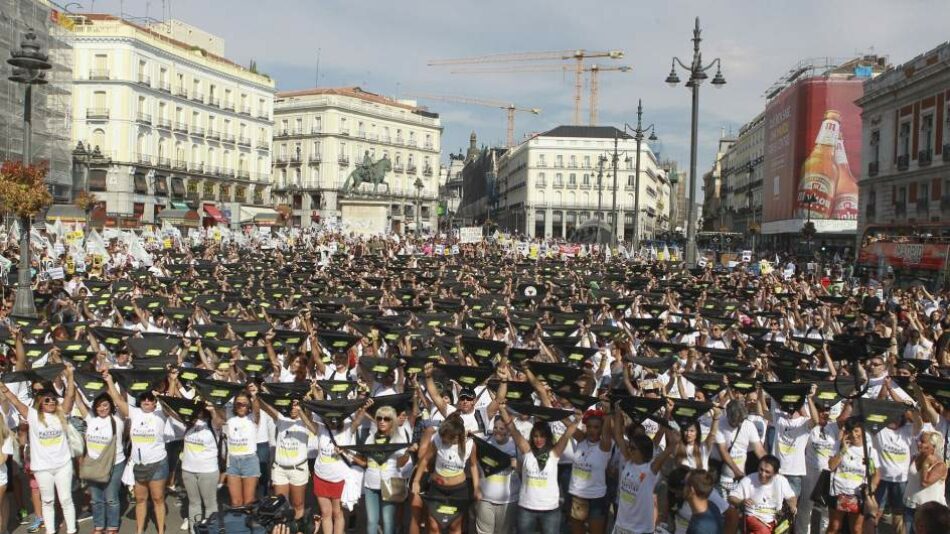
(539, 500)
(451, 451)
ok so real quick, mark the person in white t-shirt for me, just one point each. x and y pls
(848, 474)
(588, 485)
(735, 438)
(636, 502)
(102, 427)
(495, 512)
(50, 457)
(290, 471)
(200, 470)
(762, 495)
(241, 432)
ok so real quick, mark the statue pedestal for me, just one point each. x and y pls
(365, 217)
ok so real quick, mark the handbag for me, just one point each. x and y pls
(394, 489)
(580, 508)
(100, 469)
(73, 438)
(821, 494)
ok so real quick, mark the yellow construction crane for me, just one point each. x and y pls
(509, 108)
(578, 56)
(594, 71)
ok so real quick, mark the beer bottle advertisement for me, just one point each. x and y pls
(816, 189)
(846, 191)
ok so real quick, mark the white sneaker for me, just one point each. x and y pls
(184, 525)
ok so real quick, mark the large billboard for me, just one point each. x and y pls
(813, 151)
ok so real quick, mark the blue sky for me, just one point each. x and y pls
(384, 46)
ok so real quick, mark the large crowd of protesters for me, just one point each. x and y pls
(391, 385)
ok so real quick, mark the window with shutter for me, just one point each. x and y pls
(935, 188)
(912, 193)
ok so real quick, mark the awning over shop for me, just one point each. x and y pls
(259, 216)
(180, 217)
(66, 213)
(215, 214)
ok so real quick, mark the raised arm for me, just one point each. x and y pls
(69, 394)
(118, 398)
(434, 394)
(568, 433)
(520, 442)
(21, 408)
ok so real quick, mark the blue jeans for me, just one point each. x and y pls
(264, 459)
(375, 505)
(909, 520)
(105, 500)
(529, 520)
(796, 481)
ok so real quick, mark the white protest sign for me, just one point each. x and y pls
(470, 234)
(746, 256)
(56, 273)
(455, 249)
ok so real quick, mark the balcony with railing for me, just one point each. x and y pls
(244, 141)
(558, 184)
(144, 80)
(143, 118)
(296, 159)
(542, 164)
(180, 127)
(227, 138)
(197, 131)
(214, 135)
(246, 110)
(411, 142)
(198, 96)
(903, 162)
(559, 164)
(427, 171)
(196, 167)
(428, 146)
(263, 144)
(164, 124)
(97, 113)
(924, 157)
(540, 183)
(314, 159)
(165, 87)
(398, 168)
(343, 160)
(213, 101)
(344, 131)
(399, 141)
(143, 158)
(281, 159)
(244, 174)
(99, 74)
(263, 115)
(410, 169)
(315, 129)
(873, 168)
(164, 162)
(181, 91)
(229, 106)
(179, 164)
(923, 205)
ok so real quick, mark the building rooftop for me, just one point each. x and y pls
(596, 132)
(354, 92)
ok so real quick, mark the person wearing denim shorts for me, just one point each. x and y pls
(244, 468)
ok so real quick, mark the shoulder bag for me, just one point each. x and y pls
(100, 469)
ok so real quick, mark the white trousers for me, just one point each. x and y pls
(53, 482)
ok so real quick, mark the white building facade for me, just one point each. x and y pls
(322, 134)
(184, 127)
(742, 173)
(556, 181)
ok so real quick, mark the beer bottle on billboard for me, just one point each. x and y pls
(819, 172)
(845, 205)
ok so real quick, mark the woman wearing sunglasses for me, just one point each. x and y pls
(244, 469)
(378, 510)
(50, 457)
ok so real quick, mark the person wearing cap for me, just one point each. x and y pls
(149, 457)
(50, 456)
(539, 496)
(475, 420)
(102, 427)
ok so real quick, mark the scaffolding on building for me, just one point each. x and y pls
(52, 117)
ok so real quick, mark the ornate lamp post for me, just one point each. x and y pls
(419, 186)
(697, 73)
(638, 136)
(30, 64)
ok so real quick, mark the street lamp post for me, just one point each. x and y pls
(697, 73)
(638, 136)
(418, 185)
(613, 209)
(30, 64)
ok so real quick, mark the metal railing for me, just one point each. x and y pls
(244, 141)
(144, 118)
(213, 134)
(246, 110)
(99, 74)
(197, 131)
(165, 87)
(97, 113)
(873, 168)
(263, 145)
(181, 127)
(144, 80)
(164, 124)
(924, 157)
(903, 162)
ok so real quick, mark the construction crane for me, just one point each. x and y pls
(594, 71)
(578, 56)
(509, 108)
